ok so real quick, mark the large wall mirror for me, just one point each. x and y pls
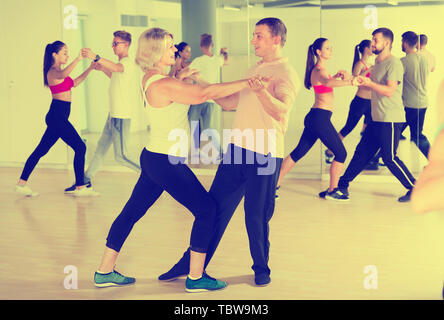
(344, 23)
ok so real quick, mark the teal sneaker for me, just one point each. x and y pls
(103, 280)
(205, 283)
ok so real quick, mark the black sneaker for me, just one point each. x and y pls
(323, 194)
(262, 279)
(344, 191)
(337, 195)
(328, 157)
(72, 189)
(406, 197)
(180, 269)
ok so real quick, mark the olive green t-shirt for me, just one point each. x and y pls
(416, 71)
(388, 109)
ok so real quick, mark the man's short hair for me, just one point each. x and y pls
(277, 28)
(386, 33)
(206, 40)
(125, 36)
(423, 39)
(410, 38)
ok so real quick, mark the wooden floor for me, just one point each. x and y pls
(319, 249)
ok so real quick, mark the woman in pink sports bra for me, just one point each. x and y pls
(58, 126)
(361, 104)
(318, 121)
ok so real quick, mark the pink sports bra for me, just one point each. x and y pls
(66, 85)
(366, 68)
(322, 88)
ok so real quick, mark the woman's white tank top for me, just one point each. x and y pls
(169, 127)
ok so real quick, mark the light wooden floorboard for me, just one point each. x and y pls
(319, 248)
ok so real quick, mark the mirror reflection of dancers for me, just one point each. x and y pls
(318, 121)
(167, 101)
(414, 92)
(58, 126)
(361, 103)
(124, 99)
(388, 117)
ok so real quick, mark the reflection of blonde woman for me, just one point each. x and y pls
(167, 103)
(429, 188)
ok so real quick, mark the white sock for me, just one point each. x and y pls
(100, 272)
(191, 278)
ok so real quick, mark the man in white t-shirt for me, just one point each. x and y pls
(207, 114)
(123, 98)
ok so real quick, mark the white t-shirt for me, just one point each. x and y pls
(209, 67)
(124, 90)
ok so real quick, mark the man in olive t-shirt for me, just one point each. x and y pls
(414, 94)
(387, 114)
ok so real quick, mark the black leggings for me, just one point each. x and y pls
(158, 175)
(318, 126)
(58, 127)
(358, 107)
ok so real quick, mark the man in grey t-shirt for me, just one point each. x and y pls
(414, 94)
(387, 114)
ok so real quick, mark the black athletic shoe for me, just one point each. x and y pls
(180, 269)
(337, 195)
(406, 197)
(262, 279)
(73, 187)
(328, 157)
(323, 194)
(344, 191)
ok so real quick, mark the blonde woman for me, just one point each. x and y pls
(167, 102)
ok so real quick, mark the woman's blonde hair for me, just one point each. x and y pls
(152, 45)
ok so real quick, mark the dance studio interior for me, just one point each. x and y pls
(372, 247)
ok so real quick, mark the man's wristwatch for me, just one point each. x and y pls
(97, 58)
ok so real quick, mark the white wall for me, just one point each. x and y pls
(24, 99)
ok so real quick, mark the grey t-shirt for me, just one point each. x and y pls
(388, 109)
(416, 71)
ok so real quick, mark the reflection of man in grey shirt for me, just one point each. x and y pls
(387, 114)
(414, 95)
